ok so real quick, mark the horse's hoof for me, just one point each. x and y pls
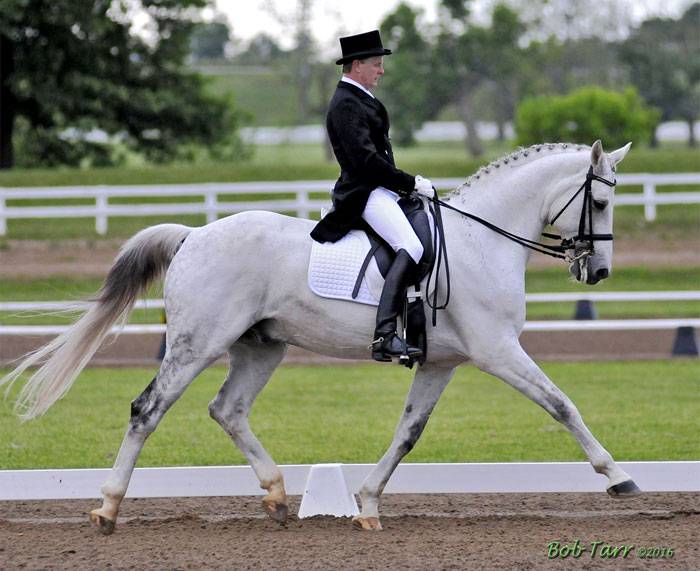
(366, 523)
(277, 512)
(624, 489)
(104, 526)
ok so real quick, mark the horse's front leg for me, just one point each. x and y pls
(428, 384)
(516, 368)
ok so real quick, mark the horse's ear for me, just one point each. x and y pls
(617, 156)
(596, 153)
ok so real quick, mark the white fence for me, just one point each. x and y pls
(515, 477)
(212, 207)
(554, 325)
(529, 298)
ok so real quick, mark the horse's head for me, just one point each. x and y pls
(587, 222)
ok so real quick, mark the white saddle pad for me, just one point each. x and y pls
(334, 266)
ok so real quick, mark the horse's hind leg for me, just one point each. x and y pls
(252, 365)
(516, 368)
(146, 412)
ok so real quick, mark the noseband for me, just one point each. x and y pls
(586, 215)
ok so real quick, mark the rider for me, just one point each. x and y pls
(370, 184)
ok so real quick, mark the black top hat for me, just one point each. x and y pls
(362, 46)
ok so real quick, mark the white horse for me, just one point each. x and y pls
(238, 285)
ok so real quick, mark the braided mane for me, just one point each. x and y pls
(523, 155)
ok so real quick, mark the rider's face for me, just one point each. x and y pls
(368, 71)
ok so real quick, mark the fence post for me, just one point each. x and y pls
(303, 209)
(101, 211)
(211, 206)
(685, 343)
(649, 201)
(3, 220)
(585, 310)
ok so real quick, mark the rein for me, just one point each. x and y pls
(555, 251)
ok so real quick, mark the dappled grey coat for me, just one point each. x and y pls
(358, 127)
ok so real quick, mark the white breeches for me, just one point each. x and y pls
(387, 219)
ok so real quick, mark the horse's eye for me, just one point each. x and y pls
(600, 204)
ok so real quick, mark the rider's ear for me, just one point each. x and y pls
(616, 156)
(596, 153)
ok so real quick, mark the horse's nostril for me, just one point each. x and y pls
(602, 273)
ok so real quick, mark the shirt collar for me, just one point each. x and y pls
(346, 79)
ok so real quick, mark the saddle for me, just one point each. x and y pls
(354, 267)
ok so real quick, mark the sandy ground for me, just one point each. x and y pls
(477, 531)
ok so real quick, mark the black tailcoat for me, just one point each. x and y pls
(358, 127)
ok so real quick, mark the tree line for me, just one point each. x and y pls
(483, 68)
(79, 85)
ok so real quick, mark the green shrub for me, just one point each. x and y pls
(585, 115)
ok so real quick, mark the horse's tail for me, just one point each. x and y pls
(144, 258)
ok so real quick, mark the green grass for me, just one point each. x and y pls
(537, 281)
(61, 288)
(268, 96)
(299, 162)
(639, 411)
(622, 279)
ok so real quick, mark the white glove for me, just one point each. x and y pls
(424, 187)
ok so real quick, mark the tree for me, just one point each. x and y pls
(504, 64)
(79, 70)
(584, 115)
(663, 56)
(568, 21)
(302, 54)
(208, 40)
(261, 50)
(409, 79)
(469, 56)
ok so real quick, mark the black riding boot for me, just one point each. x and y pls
(387, 343)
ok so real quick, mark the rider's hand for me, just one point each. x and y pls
(424, 187)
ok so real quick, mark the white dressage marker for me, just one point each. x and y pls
(326, 493)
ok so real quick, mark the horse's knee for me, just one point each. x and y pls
(145, 410)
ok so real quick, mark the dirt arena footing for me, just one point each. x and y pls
(460, 531)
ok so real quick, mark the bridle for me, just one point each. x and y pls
(580, 254)
(556, 251)
(586, 216)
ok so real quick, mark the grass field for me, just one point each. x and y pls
(308, 162)
(537, 281)
(639, 411)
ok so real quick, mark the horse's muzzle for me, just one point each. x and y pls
(582, 272)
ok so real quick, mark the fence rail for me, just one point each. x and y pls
(211, 205)
(554, 325)
(529, 298)
(409, 478)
